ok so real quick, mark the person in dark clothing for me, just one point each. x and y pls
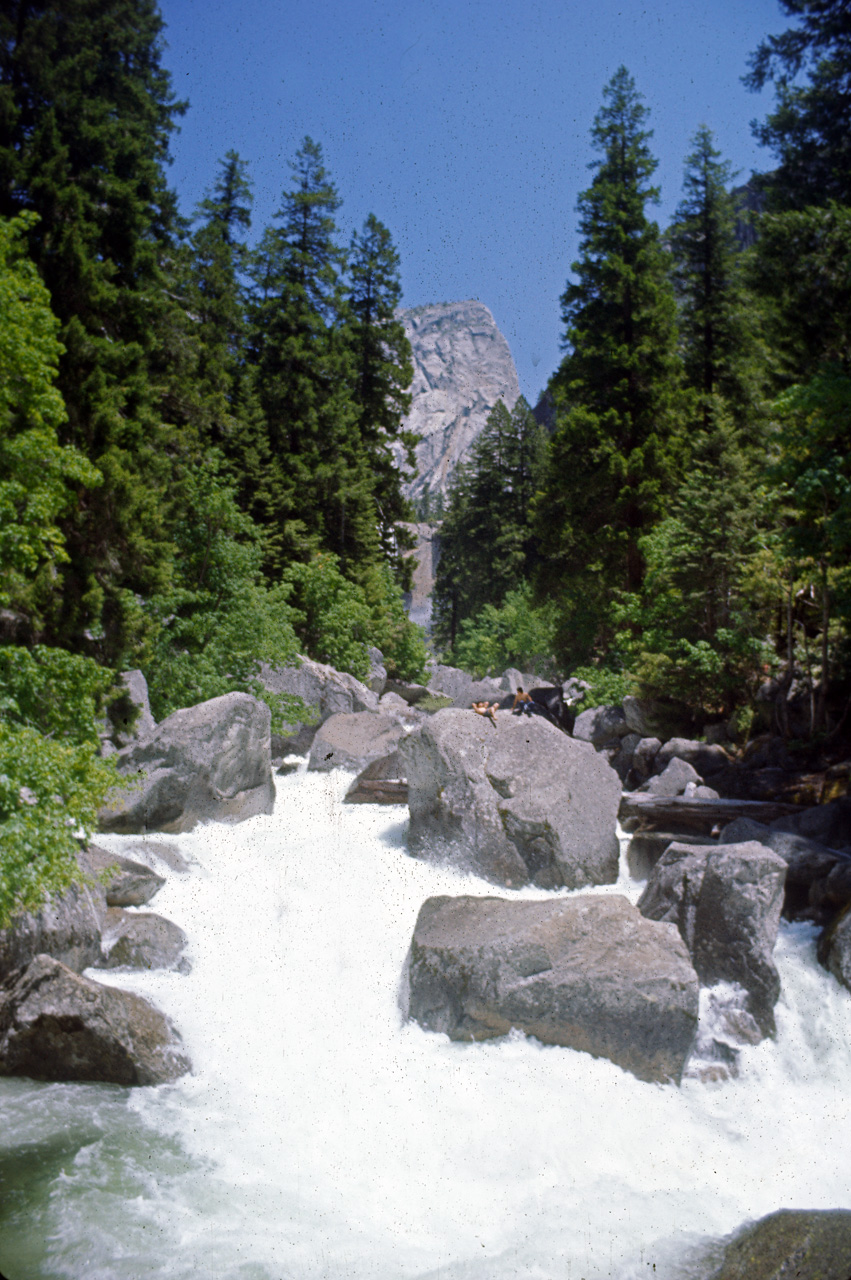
(522, 703)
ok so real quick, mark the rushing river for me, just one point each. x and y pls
(321, 1137)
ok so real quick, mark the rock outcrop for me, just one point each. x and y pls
(809, 1244)
(130, 883)
(67, 927)
(517, 801)
(726, 903)
(56, 1025)
(354, 741)
(462, 367)
(142, 940)
(208, 762)
(588, 973)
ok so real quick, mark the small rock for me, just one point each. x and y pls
(673, 780)
(142, 940)
(131, 884)
(354, 741)
(600, 724)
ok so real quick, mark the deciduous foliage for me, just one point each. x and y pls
(36, 472)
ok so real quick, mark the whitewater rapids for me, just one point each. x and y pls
(322, 1137)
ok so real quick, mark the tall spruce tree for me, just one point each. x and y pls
(719, 322)
(218, 255)
(617, 392)
(86, 112)
(320, 484)
(383, 373)
(487, 544)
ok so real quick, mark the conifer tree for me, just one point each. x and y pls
(617, 392)
(218, 255)
(719, 322)
(320, 482)
(383, 373)
(86, 112)
(487, 545)
(810, 127)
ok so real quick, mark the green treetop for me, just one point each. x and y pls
(617, 391)
(810, 127)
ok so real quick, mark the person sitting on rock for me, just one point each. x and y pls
(485, 709)
(522, 703)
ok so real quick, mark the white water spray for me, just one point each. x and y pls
(321, 1137)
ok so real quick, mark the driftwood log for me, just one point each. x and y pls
(677, 813)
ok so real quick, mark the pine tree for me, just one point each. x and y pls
(320, 483)
(487, 545)
(719, 322)
(86, 112)
(218, 255)
(617, 391)
(810, 127)
(383, 373)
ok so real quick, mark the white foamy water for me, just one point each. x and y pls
(321, 1137)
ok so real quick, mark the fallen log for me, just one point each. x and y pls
(680, 814)
(377, 791)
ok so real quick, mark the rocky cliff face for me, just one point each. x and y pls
(462, 367)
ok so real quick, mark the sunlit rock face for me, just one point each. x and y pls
(462, 367)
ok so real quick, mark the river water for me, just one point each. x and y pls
(322, 1137)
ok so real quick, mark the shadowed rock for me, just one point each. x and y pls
(209, 762)
(56, 1025)
(588, 973)
(517, 801)
(130, 884)
(67, 927)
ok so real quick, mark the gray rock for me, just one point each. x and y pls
(705, 758)
(377, 677)
(815, 876)
(512, 680)
(382, 782)
(673, 780)
(324, 691)
(131, 884)
(829, 824)
(807, 1244)
(142, 940)
(516, 802)
(694, 791)
(354, 741)
(209, 762)
(643, 717)
(588, 973)
(461, 687)
(726, 904)
(405, 691)
(643, 757)
(67, 927)
(462, 367)
(296, 742)
(56, 1025)
(139, 723)
(834, 949)
(600, 724)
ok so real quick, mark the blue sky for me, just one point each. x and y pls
(462, 124)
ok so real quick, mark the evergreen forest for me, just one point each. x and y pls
(202, 424)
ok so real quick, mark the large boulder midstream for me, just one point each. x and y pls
(807, 1244)
(352, 741)
(589, 973)
(56, 1025)
(516, 802)
(726, 903)
(210, 762)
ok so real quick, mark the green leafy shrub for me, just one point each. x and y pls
(608, 687)
(515, 634)
(217, 623)
(57, 693)
(50, 793)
